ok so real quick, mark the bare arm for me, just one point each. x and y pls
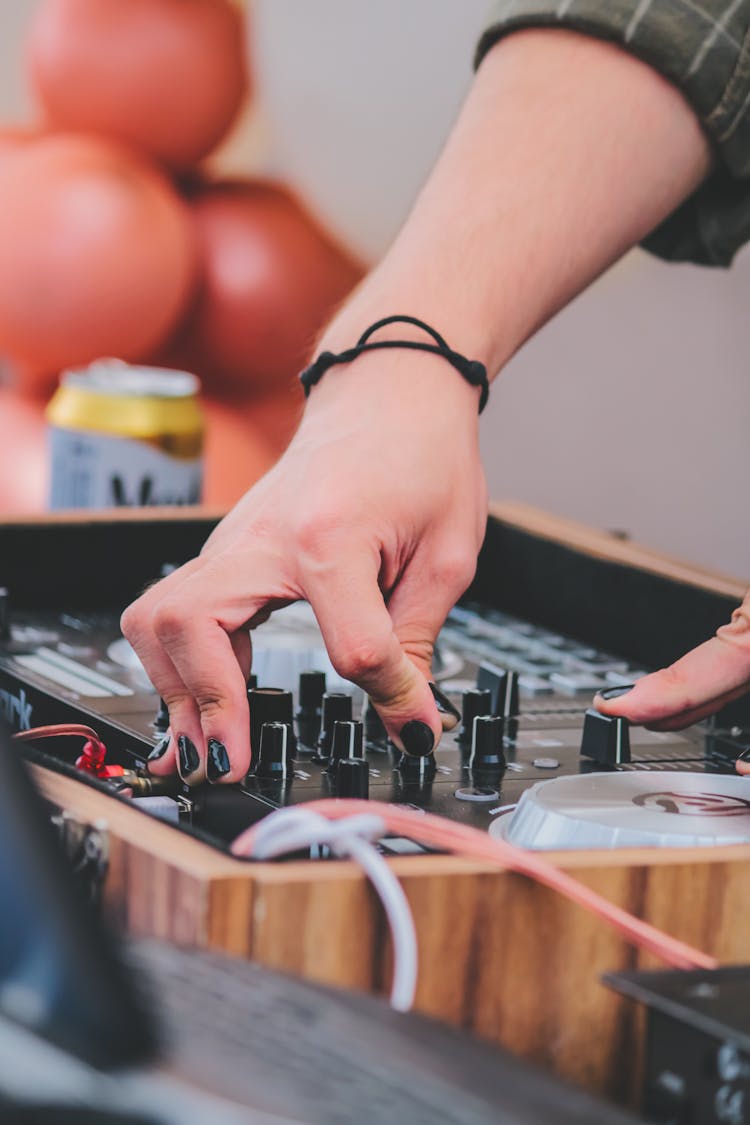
(567, 151)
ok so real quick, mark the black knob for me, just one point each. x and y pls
(374, 727)
(312, 686)
(417, 771)
(161, 718)
(474, 702)
(275, 755)
(335, 708)
(347, 741)
(606, 738)
(504, 687)
(252, 682)
(487, 743)
(268, 705)
(4, 614)
(352, 778)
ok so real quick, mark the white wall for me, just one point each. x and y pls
(631, 410)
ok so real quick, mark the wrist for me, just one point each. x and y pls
(371, 340)
(396, 384)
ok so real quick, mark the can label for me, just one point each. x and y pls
(94, 470)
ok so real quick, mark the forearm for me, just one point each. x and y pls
(566, 153)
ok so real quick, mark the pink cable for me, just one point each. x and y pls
(436, 831)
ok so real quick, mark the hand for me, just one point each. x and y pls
(375, 514)
(695, 686)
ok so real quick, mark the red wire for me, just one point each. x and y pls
(436, 831)
(64, 730)
(59, 730)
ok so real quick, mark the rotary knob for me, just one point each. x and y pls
(417, 771)
(352, 777)
(605, 739)
(4, 614)
(474, 702)
(161, 718)
(269, 705)
(275, 754)
(347, 742)
(374, 727)
(504, 687)
(312, 686)
(336, 707)
(487, 744)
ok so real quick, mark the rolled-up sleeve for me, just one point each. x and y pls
(703, 48)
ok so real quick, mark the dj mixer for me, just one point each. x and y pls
(556, 613)
(523, 693)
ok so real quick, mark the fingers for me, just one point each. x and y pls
(387, 650)
(186, 632)
(184, 718)
(695, 686)
(420, 604)
(364, 648)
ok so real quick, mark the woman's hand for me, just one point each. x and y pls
(695, 686)
(375, 515)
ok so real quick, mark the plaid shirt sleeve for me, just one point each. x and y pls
(703, 47)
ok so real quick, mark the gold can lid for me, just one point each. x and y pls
(123, 380)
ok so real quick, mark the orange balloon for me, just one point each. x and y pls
(167, 76)
(243, 441)
(98, 255)
(23, 454)
(14, 138)
(270, 280)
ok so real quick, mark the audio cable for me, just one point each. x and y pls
(275, 835)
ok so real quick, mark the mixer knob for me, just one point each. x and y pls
(374, 727)
(275, 755)
(161, 718)
(336, 708)
(347, 742)
(487, 743)
(606, 738)
(352, 777)
(312, 686)
(417, 771)
(474, 702)
(269, 705)
(252, 682)
(4, 614)
(504, 687)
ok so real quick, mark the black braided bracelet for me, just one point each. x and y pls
(472, 371)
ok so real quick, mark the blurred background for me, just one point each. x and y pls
(244, 213)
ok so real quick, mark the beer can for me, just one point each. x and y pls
(122, 435)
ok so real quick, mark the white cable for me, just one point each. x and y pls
(289, 830)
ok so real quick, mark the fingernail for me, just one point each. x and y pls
(417, 738)
(217, 764)
(443, 703)
(615, 692)
(160, 749)
(189, 756)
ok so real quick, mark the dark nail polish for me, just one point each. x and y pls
(217, 763)
(744, 756)
(443, 703)
(160, 749)
(189, 756)
(616, 692)
(417, 738)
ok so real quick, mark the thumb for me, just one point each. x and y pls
(695, 686)
(365, 648)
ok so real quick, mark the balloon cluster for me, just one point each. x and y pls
(115, 241)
